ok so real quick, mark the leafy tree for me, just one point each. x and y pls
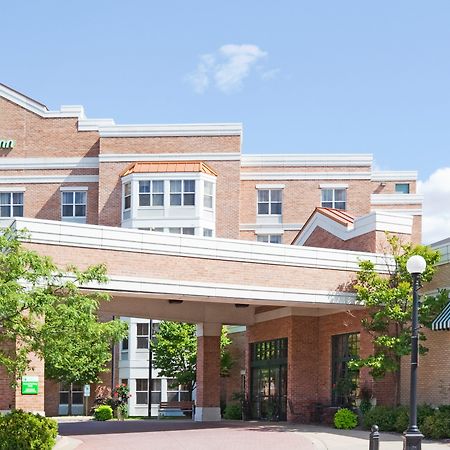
(43, 311)
(389, 302)
(175, 352)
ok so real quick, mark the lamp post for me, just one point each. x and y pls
(412, 438)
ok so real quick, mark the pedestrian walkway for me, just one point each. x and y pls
(226, 435)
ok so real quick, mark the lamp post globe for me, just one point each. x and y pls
(412, 438)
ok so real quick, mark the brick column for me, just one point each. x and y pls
(208, 372)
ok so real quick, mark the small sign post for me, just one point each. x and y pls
(86, 395)
(30, 385)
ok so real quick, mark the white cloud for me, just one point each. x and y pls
(227, 68)
(436, 205)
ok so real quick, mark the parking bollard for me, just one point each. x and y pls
(374, 439)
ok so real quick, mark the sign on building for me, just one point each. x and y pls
(30, 385)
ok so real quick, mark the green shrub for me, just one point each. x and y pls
(345, 419)
(103, 412)
(401, 419)
(437, 426)
(383, 416)
(26, 431)
(365, 406)
(233, 412)
(424, 411)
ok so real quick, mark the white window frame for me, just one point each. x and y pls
(333, 200)
(142, 335)
(208, 197)
(183, 192)
(126, 212)
(267, 238)
(269, 201)
(151, 193)
(140, 391)
(11, 203)
(74, 190)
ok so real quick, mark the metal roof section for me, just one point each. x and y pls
(168, 167)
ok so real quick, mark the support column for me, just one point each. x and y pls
(208, 372)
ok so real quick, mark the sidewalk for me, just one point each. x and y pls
(229, 435)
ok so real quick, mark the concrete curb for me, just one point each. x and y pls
(66, 443)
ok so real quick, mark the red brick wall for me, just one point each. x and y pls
(208, 371)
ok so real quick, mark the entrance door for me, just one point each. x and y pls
(70, 399)
(269, 380)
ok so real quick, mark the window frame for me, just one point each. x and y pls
(269, 238)
(208, 197)
(151, 193)
(183, 192)
(141, 390)
(270, 202)
(11, 205)
(140, 336)
(408, 186)
(73, 204)
(333, 200)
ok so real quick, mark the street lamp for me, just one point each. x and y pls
(412, 437)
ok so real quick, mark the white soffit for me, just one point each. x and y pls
(39, 179)
(305, 175)
(292, 160)
(128, 240)
(133, 157)
(375, 221)
(396, 199)
(395, 176)
(49, 163)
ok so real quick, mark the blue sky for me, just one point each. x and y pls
(304, 77)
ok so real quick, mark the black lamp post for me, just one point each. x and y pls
(412, 438)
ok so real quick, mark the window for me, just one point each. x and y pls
(269, 238)
(402, 188)
(74, 204)
(124, 349)
(151, 193)
(67, 390)
(185, 230)
(345, 347)
(11, 204)
(207, 232)
(176, 392)
(208, 195)
(126, 200)
(141, 391)
(269, 201)
(142, 335)
(124, 381)
(156, 391)
(334, 198)
(182, 192)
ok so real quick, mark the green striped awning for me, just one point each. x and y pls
(442, 321)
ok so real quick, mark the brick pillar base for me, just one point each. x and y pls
(208, 373)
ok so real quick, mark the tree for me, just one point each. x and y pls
(43, 311)
(175, 352)
(389, 302)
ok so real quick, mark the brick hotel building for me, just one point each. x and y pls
(193, 230)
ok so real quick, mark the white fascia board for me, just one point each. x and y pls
(222, 291)
(49, 163)
(128, 240)
(12, 188)
(305, 176)
(198, 129)
(269, 230)
(333, 186)
(394, 176)
(396, 199)
(281, 226)
(270, 186)
(290, 160)
(128, 157)
(73, 188)
(399, 212)
(371, 222)
(39, 179)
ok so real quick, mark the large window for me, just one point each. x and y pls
(182, 230)
(345, 347)
(142, 335)
(269, 201)
(208, 196)
(141, 391)
(74, 204)
(182, 192)
(151, 193)
(334, 198)
(11, 204)
(126, 200)
(176, 392)
(269, 238)
(156, 391)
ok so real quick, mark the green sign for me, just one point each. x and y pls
(30, 385)
(7, 143)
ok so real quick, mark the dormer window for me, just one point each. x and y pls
(182, 192)
(151, 193)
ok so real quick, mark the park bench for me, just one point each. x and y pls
(176, 409)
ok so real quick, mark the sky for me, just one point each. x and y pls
(320, 76)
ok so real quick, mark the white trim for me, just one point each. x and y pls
(269, 230)
(370, 222)
(39, 179)
(73, 188)
(333, 186)
(49, 163)
(197, 129)
(12, 188)
(396, 199)
(399, 212)
(132, 157)
(326, 160)
(270, 186)
(394, 176)
(278, 226)
(246, 176)
(129, 240)
(288, 311)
